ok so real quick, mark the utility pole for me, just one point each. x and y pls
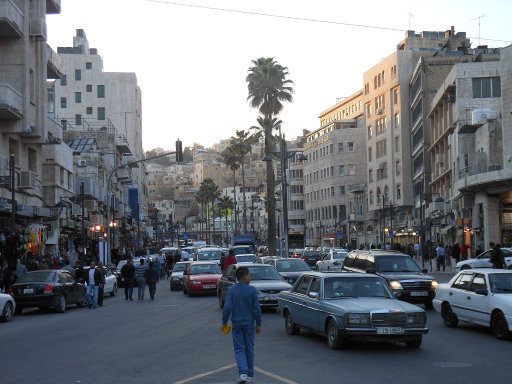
(84, 238)
(14, 205)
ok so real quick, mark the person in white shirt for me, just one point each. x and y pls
(441, 257)
(94, 279)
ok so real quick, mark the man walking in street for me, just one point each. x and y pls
(243, 306)
(151, 275)
(93, 283)
(441, 257)
(128, 274)
(101, 289)
(141, 280)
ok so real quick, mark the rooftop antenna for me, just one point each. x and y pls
(479, 20)
(410, 17)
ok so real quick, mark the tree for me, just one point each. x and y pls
(211, 193)
(269, 86)
(226, 204)
(202, 199)
(230, 159)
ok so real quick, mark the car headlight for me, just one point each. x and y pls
(434, 284)
(395, 285)
(417, 318)
(359, 318)
(195, 282)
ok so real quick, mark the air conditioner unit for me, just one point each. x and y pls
(91, 205)
(37, 28)
(379, 111)
(82, 163)
(76, 210)
(440, 158)
(27, 179)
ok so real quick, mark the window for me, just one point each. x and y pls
(351, 169)
(63, 102)
(78, 97)
(368, 110)
(370, 175)
(342, 190)
(478, 283)
(397, 121)
(331, 149)
(370, 132)
(381, 149)
(371, 197)
(341, 170)
(398, 168)
(32, 86)
(101, 113)
(397, 144)
(89, 110)
(340, 147)
(88, 65)
(32, 160)
(332, 191)
(395, 96)
(78, 74)
(78, 119)
(101, 91)
(88, 88)
(64, 81)
(485, 87)
(398, 192)
(350, 146)
(370, 154)
(463, 281)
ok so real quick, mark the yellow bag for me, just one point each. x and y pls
(226, 329)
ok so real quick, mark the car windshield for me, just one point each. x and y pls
(311, 254)
(340, 287)
(396, 264)
(245, 258)
(208, 255)
(264, 272)
(205, 269)
(37, 277)
(339, 255)
(179, 267)
(292, 265)
(501, 282)
(242, 250)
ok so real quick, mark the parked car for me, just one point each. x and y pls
(291, 269)
(265, 278)
(201, 277)
(332, 261)
(404, 276)
(478, 296)
(350, 306)
(297, 253)
(48, 289)
(110, 281)
(209, 254)
(483, 260)
(7, 307)
(248, 258)
(311, 257)
(176, 280)
(242, 249)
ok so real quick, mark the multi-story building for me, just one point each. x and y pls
(336, 159)
(42, 169)
(387, 105)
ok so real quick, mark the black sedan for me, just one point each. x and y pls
(291, 269)
(48, 289)
(311, 257)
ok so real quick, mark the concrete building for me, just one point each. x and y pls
(336, 155)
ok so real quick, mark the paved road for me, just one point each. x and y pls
(174, 339)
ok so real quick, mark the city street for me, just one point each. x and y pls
(176, 339)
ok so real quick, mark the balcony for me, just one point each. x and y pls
(123, 176)
(11, 20)
(52, 6)
(37, 28)
(55, 70)
(11, 103)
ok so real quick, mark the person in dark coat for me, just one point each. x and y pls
(456, 252)
(128, 274)
(151, 275)
(101, 289)
(497, 258)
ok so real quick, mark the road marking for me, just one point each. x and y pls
(274, 376)
(452, 364)
(205, 374)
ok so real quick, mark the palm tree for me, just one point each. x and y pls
(230, 159)
(212, 192)
(269, 86)
(241, 145)
(202, 199)
(226, 204)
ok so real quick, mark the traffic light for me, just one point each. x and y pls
(179, 151)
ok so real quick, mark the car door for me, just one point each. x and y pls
(477, 304)
(299, 305)
(483, 260)
(68, 287)
(313, 305)
(457, 295)
(227, 280)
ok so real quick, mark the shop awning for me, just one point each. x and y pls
(445, 230)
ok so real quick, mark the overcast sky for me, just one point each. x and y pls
(191, 63)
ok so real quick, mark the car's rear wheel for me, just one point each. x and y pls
(221, 300)
(289, 325)
(449, 318)
(114, 291)
(60, 305)
(415, 343)
(499, 326)
(7, 312)
(334, 339)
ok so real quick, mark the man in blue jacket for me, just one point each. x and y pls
(243, 306)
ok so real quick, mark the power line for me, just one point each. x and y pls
(321, 21)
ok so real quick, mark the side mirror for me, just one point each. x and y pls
(286, 277)
(424, 270)
(314, 295)
(370, 270)
(482, 291)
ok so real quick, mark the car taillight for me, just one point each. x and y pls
(10, 291)
(48, 288)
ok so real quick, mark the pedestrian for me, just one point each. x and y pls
(151, 276)
(441, 257)
(497, 258)
(141, 280)
(417, 250)
(169, 263)
(157, 266)
(456, 252)
(128, 274)
(231, 259)
(94, 279)
(463, 251)
(243, 307)
(68, 267)
(101, 289)
(185, 256)
(21, 269)
(222, 261)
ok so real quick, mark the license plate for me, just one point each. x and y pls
(270, 297)
(420, 293)
(209, 286)
(28, 291)
(390, 330)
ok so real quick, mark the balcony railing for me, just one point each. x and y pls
(55, 70)
(11, 103)
(11, 20)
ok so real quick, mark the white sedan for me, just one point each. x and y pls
(7, 307)
(478, 296)
(483, 260)
(332, 261)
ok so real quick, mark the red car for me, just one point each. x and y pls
(201, 278)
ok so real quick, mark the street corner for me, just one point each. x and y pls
(229, 374)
